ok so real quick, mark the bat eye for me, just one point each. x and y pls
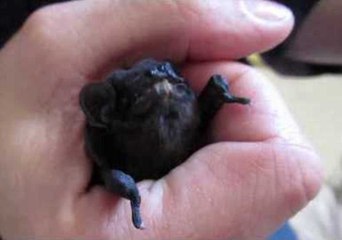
(141, 107)
(149, 73)
(155, 72)
(182, 89)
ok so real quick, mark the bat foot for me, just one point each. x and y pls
(228, 98)
(124, 185)
(136, 213)
(218, 84)
(214, 95)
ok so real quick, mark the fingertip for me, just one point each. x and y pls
(273, 21)
(239, 28)
(265, 117)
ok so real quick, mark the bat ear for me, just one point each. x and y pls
(97, 101)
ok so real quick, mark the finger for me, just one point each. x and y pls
(266, 118)
(227, 188)
(265, 174)
(264, 181)
(99, 32)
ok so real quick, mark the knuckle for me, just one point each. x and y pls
(304, 177)
(41, 25)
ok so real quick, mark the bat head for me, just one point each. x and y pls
(149, 91)
(153, 88)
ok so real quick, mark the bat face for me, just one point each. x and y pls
(156, 100)
(154, 92)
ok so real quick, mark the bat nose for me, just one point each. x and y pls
(163, 88)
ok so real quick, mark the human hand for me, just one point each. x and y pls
(259, 171)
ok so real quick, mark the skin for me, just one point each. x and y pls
(259, 168)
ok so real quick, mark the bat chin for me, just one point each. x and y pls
(163, 88)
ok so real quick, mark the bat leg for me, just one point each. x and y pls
(218, 86)
(214, 95)
(124, 185)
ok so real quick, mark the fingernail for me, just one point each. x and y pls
(267, 10)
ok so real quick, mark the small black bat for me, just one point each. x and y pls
(144, 121)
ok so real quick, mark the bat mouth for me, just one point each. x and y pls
(163, 88)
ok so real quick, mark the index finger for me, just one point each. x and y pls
(103, 33)
(266, 118)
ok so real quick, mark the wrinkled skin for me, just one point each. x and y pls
(259, 166)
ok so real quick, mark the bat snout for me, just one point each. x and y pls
(163, 88)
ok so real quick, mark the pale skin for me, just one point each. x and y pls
(258, 172)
